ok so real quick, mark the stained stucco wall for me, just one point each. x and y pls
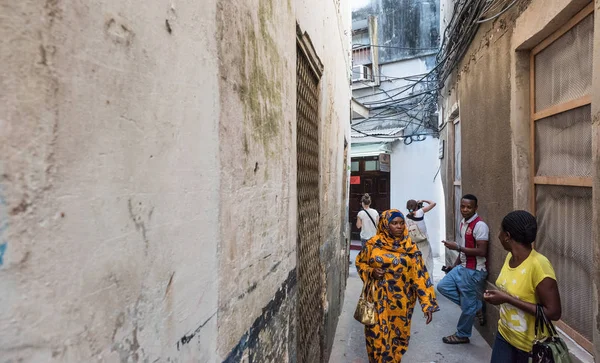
(482, 92)
(406, 29)
(148, 179)
(498, 120)
(109, 181)
(258, 193)
(485, 132)
(257, 290)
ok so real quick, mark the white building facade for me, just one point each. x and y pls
(394, 112)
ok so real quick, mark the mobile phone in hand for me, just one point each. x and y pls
(446, 269)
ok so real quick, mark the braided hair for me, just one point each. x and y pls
(521, 225)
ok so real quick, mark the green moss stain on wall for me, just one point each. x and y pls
(260, 69)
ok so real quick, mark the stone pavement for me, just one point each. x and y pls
(426, 340)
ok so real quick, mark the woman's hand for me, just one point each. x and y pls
(429, 317)
(377, 273)
(495, 297)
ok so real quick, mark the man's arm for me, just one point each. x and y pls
(430, 205)
(454, 247)
(480, 250)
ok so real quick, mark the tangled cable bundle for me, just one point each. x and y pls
(416, 102)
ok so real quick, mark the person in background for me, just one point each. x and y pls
(526, 279)
(394, 264)
(367, 220)
(464, 283)
(415, 221)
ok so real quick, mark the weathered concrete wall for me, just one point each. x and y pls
(258, 198)
(148, 178)
(258, 263)
(406, 29)
(487, 67)
(486, 146)
(495, 129)
(109, 181)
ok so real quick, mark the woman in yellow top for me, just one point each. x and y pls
(394, 263)
(527, 278)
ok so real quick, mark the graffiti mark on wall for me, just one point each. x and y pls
(2, 250)
(3, 226)
(187, 338)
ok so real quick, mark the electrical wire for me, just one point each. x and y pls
(498, 14)
(365, 46)
(413, 104)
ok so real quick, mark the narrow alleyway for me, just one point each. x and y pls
(426, 341)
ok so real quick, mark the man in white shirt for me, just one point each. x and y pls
(464, 284)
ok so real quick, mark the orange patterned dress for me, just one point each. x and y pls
(406, 279)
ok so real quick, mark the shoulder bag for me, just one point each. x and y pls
(415, 233)
(549, 349)
(365, 309)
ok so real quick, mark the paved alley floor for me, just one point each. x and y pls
(426, 341)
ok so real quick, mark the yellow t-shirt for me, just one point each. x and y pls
(517, 327)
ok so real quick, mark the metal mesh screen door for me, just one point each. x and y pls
(561, 81)
(310, 282)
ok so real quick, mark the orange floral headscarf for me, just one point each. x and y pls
(386, 239)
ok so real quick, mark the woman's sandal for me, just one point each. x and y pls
(453, 339)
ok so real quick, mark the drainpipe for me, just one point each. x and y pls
(374, 49)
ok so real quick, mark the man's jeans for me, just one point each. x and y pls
(464, 287)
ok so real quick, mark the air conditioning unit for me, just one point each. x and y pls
(361, 73)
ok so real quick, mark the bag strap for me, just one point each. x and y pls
(371, 218)
(413, 218)
(538, 322)
(364, 291)
(548, 324)
(542, 322)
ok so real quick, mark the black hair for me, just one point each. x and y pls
(470, 197)
(521, 225)
(411, 204)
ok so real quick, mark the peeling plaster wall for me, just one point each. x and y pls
(486, 139)
(108, 181)
(406, 28)
(148, 178)
(257, 288)
(258, 194)
(496, 166)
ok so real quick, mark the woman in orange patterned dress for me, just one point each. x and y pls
(394, 264)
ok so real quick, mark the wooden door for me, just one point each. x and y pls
(367, 180)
